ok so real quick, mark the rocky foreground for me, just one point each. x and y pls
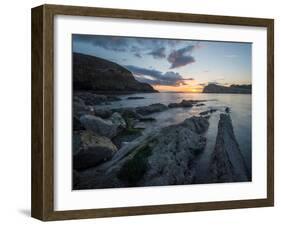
(110, 151)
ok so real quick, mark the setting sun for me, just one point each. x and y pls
(183, 88)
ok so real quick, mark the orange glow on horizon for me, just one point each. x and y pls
(183, 88)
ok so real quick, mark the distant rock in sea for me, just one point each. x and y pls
(214, 88)
(98, 75)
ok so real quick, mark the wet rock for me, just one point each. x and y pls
(197, 124)
(212, 110)
(112, 98)
(103, 113)
(94, 150)
(76, 142)
(75, 178)
(79, 106)
(199, 105)
(204, 112)
(227, 161)
(99, 126)
(208, 112)
(227, 110)
(146, 110)
(186, 104)
(118, 121)
(183, 104)
(127, 135)
(128, 113)
(135, 98)
(147, 119)
(77, 125)
(91, 98)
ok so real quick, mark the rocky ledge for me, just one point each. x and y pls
(185, 104)
(163, 157)
(227, 161)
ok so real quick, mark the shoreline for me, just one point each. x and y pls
(108, 134)
(119, 93)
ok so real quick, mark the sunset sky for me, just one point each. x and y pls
(171, 64)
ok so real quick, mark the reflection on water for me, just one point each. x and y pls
(240, 105)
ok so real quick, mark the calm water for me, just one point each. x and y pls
(240, 105)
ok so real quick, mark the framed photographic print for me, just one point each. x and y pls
(141, 112)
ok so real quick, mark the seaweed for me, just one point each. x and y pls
(134, 169)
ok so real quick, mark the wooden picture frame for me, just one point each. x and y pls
(43, 108)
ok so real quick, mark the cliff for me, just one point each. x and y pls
(213, 88)
(99, 75)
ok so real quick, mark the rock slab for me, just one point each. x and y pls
(227, 161)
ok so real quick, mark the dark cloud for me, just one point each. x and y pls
(158, 42)
(181, 57)
(158, 53)
(114, 43)
(156, 77)
(144, 71)
(152, 46)
(214, 83)
(138, 55)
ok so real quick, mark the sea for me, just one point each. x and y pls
(240, 111)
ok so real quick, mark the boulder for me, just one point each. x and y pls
(94, 150)
(227, 162)
(79, 106)
(103, 113)
(76, 142)
(128, 113)
(99, 126)
(77, 125)
(118, 121)
(146, 110)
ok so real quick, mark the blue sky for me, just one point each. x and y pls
(171, 64)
